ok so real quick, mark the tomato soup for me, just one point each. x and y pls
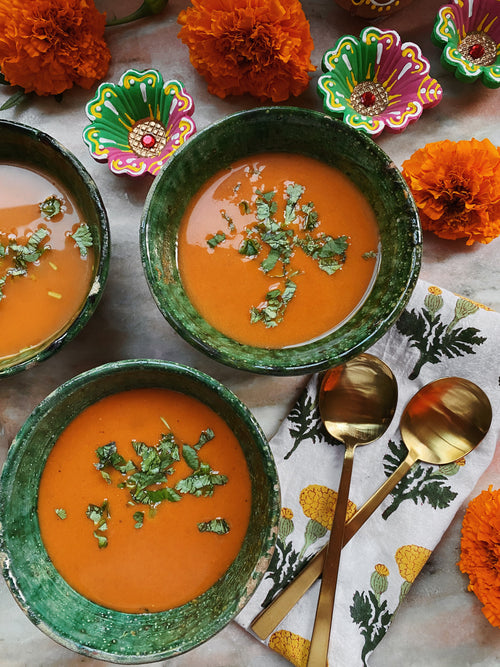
(160, 553)
(278, 250)
(46, 259)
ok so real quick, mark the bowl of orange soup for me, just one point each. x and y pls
(138, 511)
(54, 246)
(281, 241)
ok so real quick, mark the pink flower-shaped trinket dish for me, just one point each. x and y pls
(468, 31)
(377, 82)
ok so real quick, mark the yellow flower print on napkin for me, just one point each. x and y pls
(410, 559)
(291, 646)
(318, 504)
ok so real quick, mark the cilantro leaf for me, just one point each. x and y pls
(108, 456)
(219, 526)
(61, 513)
(216, 239)
(249, 247)
(139, 519)
(191, 457)
(51, 206)
(83, 238)
(294, 193)
(201, 482)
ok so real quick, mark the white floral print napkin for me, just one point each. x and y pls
(439, 334)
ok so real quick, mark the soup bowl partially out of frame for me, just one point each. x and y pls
(54, 606)
(299, 131)
(33, 149)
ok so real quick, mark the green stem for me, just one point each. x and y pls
(148, 8)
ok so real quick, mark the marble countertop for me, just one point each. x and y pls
(439, 622)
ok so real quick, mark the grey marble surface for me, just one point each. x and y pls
(439, 623)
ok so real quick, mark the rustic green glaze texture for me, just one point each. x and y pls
(285, 129)
(47, 599)
(31, 148)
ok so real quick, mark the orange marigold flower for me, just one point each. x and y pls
(49, 45)
(456, 187)
(261, 47)
(480, 551)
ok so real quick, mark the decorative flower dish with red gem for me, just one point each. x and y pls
(469, 33)
(377, 82)
(138, 123)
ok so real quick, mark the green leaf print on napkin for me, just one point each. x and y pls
(435, 339)
(370, 612)
(422, 483)
(305, 421)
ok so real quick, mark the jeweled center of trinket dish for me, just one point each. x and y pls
(147, 138)
(478, 48)
(148, 141)
(369, 98)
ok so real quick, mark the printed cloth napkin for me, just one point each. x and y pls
(439, 334)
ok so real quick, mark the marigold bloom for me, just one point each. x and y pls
(480, 551)
(456, 187)
(291, 646)
(318, 502)
(49, 45)
(261, 47)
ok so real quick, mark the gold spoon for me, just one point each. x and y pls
(357, 402)
(444, 421)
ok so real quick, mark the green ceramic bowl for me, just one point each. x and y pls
(66, 616)
(313, 134)
(31, 148)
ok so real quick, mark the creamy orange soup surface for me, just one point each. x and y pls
(120, 543)
(44, 272)
(278, 250)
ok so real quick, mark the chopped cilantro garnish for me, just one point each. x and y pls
(146, 480)
(372, 254)
(51, 206)
(32, 251)
(83, 238)
(329, 252)
(216, 239)
(61, 513)
(219, 526)
(272, 311)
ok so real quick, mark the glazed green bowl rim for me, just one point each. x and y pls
(44, 595)
(101, 246)
(207, 150)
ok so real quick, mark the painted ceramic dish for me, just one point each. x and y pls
(311, 134)
(377, 82)
(29, 156)
(56, 608)
(468, 31)
(373, 8)
(138, 123)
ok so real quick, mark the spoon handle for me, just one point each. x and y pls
(320, 640)
(265, 622)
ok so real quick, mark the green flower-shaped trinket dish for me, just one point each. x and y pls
(138, 123)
